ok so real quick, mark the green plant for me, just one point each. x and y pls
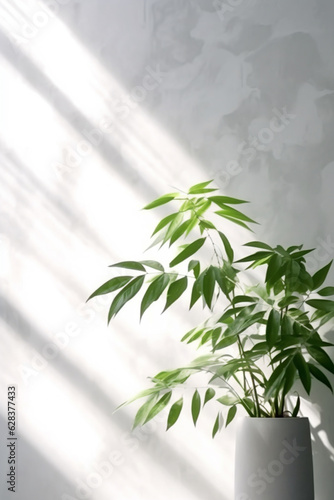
(259, 338)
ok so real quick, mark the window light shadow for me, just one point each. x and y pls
(73, 116)
(96, 397)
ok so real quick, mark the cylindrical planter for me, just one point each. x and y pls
(273, 459)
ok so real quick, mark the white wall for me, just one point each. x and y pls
(242, 92)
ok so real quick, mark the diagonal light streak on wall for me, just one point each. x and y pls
(94, 91)
(51, 249)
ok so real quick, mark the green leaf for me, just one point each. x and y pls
(327, 317)
(321, 304)
(173, 377)
(195, 293)
(303, 371)
(206, 224)
(318, 374)
(235, 214)
(296, 408)
(208, 285)
(209, 394)
(291, 340)
(258, 244)
(290, 375)
(278, 287)
(161, 201)
(111, 286)
(143, 412)
(189, 204)
(154, 291)
(321, 357)
(180, 231)
(319, 314)
(188, 334)
(243, 298)
(306, 282)
(320, 276)
(287, 301)
(217, 425)
(202, 207)
(153, 263)
(225, 342)
(141, 394)
(195, 406)
(193, 223)
(197, 188)
(224, 371)
(236, 221)
(194, 266)
(327, 291)
(255, 257)
(222, 280)
(231, 414)
(294, 247)
(221, 201)
(298, 255)
(172, 227)
(159, 406)
(244, 320)
(279, 249)
(226, 277)
(196, 335)
(126, 294)
(249, 406)
(274, 267)
(215, 336)
(164, 222)
(130, 264)
(228, 314)
(263, 293)
(272, 328)
(204, 361)
(228, 399)
(174, 413)
(317, 341)
(175, 291)
(158, 240)
(227, 246)
(285, 353)
(207, 336)
(188, 251)
(286, 326)
(275, 379)
(292, 250)
(299, 317)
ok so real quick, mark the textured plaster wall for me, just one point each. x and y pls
(106, 104)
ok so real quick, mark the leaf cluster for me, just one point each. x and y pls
(258, 341)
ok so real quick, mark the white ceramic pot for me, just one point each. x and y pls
(273, 459)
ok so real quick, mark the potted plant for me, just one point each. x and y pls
(260, 342)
